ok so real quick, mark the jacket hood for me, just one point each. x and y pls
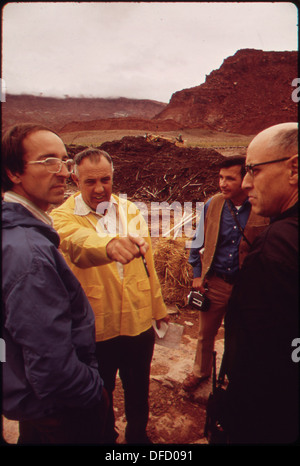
(15, 215)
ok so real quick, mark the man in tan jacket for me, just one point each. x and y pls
(226, 229)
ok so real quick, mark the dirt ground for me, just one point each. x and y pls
(193, 137)
(175, 416)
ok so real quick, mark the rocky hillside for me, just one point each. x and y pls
(249, 92)
(122, 123)
(57, 112)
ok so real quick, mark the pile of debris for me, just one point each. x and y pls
(173, 270)
(160, 170)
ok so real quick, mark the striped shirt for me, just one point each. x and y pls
(11, 196)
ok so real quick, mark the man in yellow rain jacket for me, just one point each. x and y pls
(106, 242)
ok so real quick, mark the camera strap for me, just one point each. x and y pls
(237, 222)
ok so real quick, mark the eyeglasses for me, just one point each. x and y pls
(54, 165)
(249, 167)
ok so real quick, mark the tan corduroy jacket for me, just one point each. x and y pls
(255, 225)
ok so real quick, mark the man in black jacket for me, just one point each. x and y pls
(261, 324)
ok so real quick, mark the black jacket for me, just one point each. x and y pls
(261, 323)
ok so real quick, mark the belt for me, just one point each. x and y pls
(226, 277)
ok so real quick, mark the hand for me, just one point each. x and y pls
(198, 285)
(164, 319)
(125, 249)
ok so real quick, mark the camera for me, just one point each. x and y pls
(198, 301)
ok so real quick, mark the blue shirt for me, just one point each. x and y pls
(226, 258)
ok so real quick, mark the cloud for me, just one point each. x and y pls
(138, 50)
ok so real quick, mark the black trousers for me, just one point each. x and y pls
(70, 426)
(132, 357)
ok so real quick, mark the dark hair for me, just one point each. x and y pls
(12, 150)
(234, 160)
(93, 154)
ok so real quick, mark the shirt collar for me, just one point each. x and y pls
(82, 209)
(242, 206)
(11, 196)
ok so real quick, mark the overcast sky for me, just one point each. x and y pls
(128, 49)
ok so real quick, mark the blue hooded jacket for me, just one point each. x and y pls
(47, 323)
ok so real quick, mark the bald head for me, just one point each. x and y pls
(276, 142)
(271, 181)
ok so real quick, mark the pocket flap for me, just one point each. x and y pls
(94, 291)
(143, 285)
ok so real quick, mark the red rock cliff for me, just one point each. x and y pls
(249, 92)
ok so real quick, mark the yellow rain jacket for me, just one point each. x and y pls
(123, 305)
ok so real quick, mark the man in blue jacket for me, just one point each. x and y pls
(51, 383)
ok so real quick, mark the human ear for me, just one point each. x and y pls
(293, 169)
(14, 177)
(75, 179)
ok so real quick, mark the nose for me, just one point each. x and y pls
(63, 171)
(247, 181)
(99, 187)
(222, 183)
